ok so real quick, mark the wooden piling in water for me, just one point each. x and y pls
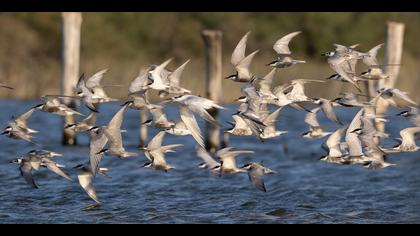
(393, 54)
(213, 47)
(70, 56)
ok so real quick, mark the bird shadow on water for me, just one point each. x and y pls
(92, 207)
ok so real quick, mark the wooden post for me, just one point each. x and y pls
(70, 55)
(213, 44)
(393, 53)
(143, 128)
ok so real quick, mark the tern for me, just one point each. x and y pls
(84, 125)
(93, 83)
(389, 93)
(283, 52)
(174, 82)
(32, 161)
(159, 119)
(269, 130)
(159, 83)
(315, 129)
(227, 160)
(86, 177)
(327, 108)
(155, 153)
(255, 173)
(335, 152)
(242, 63)
(412, 115)
(208, 161)
(53, 105)
(113, 133)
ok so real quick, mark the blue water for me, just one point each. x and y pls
(304, 190)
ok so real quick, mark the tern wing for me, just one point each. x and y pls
(281, 46)
(95, 80)
(256, 177)
(239, 53)
(191, 123)
(26, 172)
(86, 181)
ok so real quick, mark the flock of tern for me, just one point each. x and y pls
(253, 116)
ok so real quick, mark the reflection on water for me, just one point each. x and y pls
(304, 190)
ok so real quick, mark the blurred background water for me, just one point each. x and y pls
(304, 190)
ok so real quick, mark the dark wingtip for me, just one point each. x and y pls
(147, 121)
(36, 106)
(102, 151)
(3, 86)
(126, 103)
(93, 109)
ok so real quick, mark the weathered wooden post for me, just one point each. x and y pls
(393, 53)
(213, 46)
(70, 55)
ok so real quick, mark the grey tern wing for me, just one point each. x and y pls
(333, 142)
(356, 123)
(156, 141)
(255, 175)
(341, 67)
(21, 120)
(26, 172)
(91, 119)
(158, 157)
(239, 122)
(239, 152)
(87, 93)
(198, 108)
(311, 119)
(113, 130)
(239, 52)
(370, 59)
(51, 165)
(281, 46)
(351, 138)
(117, 120)
(169, 147)
(159, 71)
(180, 125)
(97, 144)
(174, 77)
(191, 123)
(86, 181)
(341, 49)
(414, 118)
(409, 136)
(95, 80)
(205, 156)
(266, 82)
(404, 96)
(138, 85)
(159, 114)
(243, 66)
(271, 119)
(255, 128)
(327, 108)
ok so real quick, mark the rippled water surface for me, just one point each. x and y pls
(304, 190)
